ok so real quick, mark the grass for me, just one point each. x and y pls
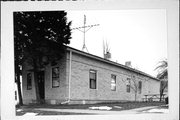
(46, 112)
(123, 105)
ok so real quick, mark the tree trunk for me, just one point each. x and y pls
(161, 93)
(162, 87)
(160, 99)
(36, 82)
(135, 95)
(19, 86)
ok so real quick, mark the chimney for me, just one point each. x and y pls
(128, 63)
(106, 51)
(107, 55)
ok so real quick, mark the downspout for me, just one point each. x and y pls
(70, 61)
(69, 80)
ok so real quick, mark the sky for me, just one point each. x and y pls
(139, 36)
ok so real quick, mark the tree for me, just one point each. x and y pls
(136, 86)
(40, 39)
(162, 70)
(18, 62)
(133, 84)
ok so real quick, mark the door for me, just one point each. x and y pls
(40, 76)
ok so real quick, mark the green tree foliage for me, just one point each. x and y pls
(40, 39)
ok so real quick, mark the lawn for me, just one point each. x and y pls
(115, 107)
(46, 112)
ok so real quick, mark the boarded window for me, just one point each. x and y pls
(128, 83)
(113, 82)
(29, 81)
(55, 77)
(139, 87)
(92, 79)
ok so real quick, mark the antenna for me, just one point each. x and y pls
(84, 32)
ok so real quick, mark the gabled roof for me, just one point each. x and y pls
(109, 62)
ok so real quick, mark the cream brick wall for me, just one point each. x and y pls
(80, 81)
(59, 94)
(28, 95)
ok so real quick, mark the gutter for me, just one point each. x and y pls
(70, 61)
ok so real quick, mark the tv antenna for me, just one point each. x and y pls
(84, 32)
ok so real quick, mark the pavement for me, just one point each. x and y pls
(142, 110)
(151, 109)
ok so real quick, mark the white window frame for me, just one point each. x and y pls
(113, 82)
(90, 80)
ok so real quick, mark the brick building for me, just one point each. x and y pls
(85, 78)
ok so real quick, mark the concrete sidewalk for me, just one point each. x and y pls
(99, 112)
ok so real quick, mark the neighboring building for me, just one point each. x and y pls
(85, 78)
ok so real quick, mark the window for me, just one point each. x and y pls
(139, 87)
(29, 81)
(113, 82)
(128, 85)
(55, 77)
(92, 78)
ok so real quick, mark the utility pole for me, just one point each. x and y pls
(84, 32)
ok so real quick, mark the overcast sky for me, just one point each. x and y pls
(139, 36)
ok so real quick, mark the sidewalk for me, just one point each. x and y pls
(103, 109)
(98, 112)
